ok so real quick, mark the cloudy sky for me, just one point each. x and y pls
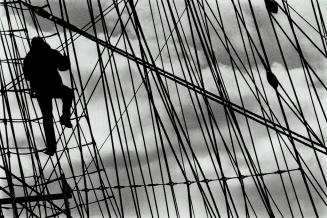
(162, 131)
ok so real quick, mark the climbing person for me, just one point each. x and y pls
(40, 68)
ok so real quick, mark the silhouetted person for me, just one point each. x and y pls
(41, 67)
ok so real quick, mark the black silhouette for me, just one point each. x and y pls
(272, 79)
(271, 6)
(41, 67)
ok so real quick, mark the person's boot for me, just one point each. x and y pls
(65, 121)
(50, 151)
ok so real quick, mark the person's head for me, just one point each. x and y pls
(39, 44)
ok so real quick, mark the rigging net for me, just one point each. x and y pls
(189, 122)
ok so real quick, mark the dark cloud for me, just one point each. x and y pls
(235, 42)
(80, 16)
(129, 149)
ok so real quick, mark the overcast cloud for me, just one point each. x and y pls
(134, 142)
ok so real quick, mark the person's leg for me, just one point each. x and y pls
(67, 100)
(67, 96)
(46, 109)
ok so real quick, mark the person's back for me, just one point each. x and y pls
(41, 66)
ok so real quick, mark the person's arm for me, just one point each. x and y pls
(27, 65)
(63, 62)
